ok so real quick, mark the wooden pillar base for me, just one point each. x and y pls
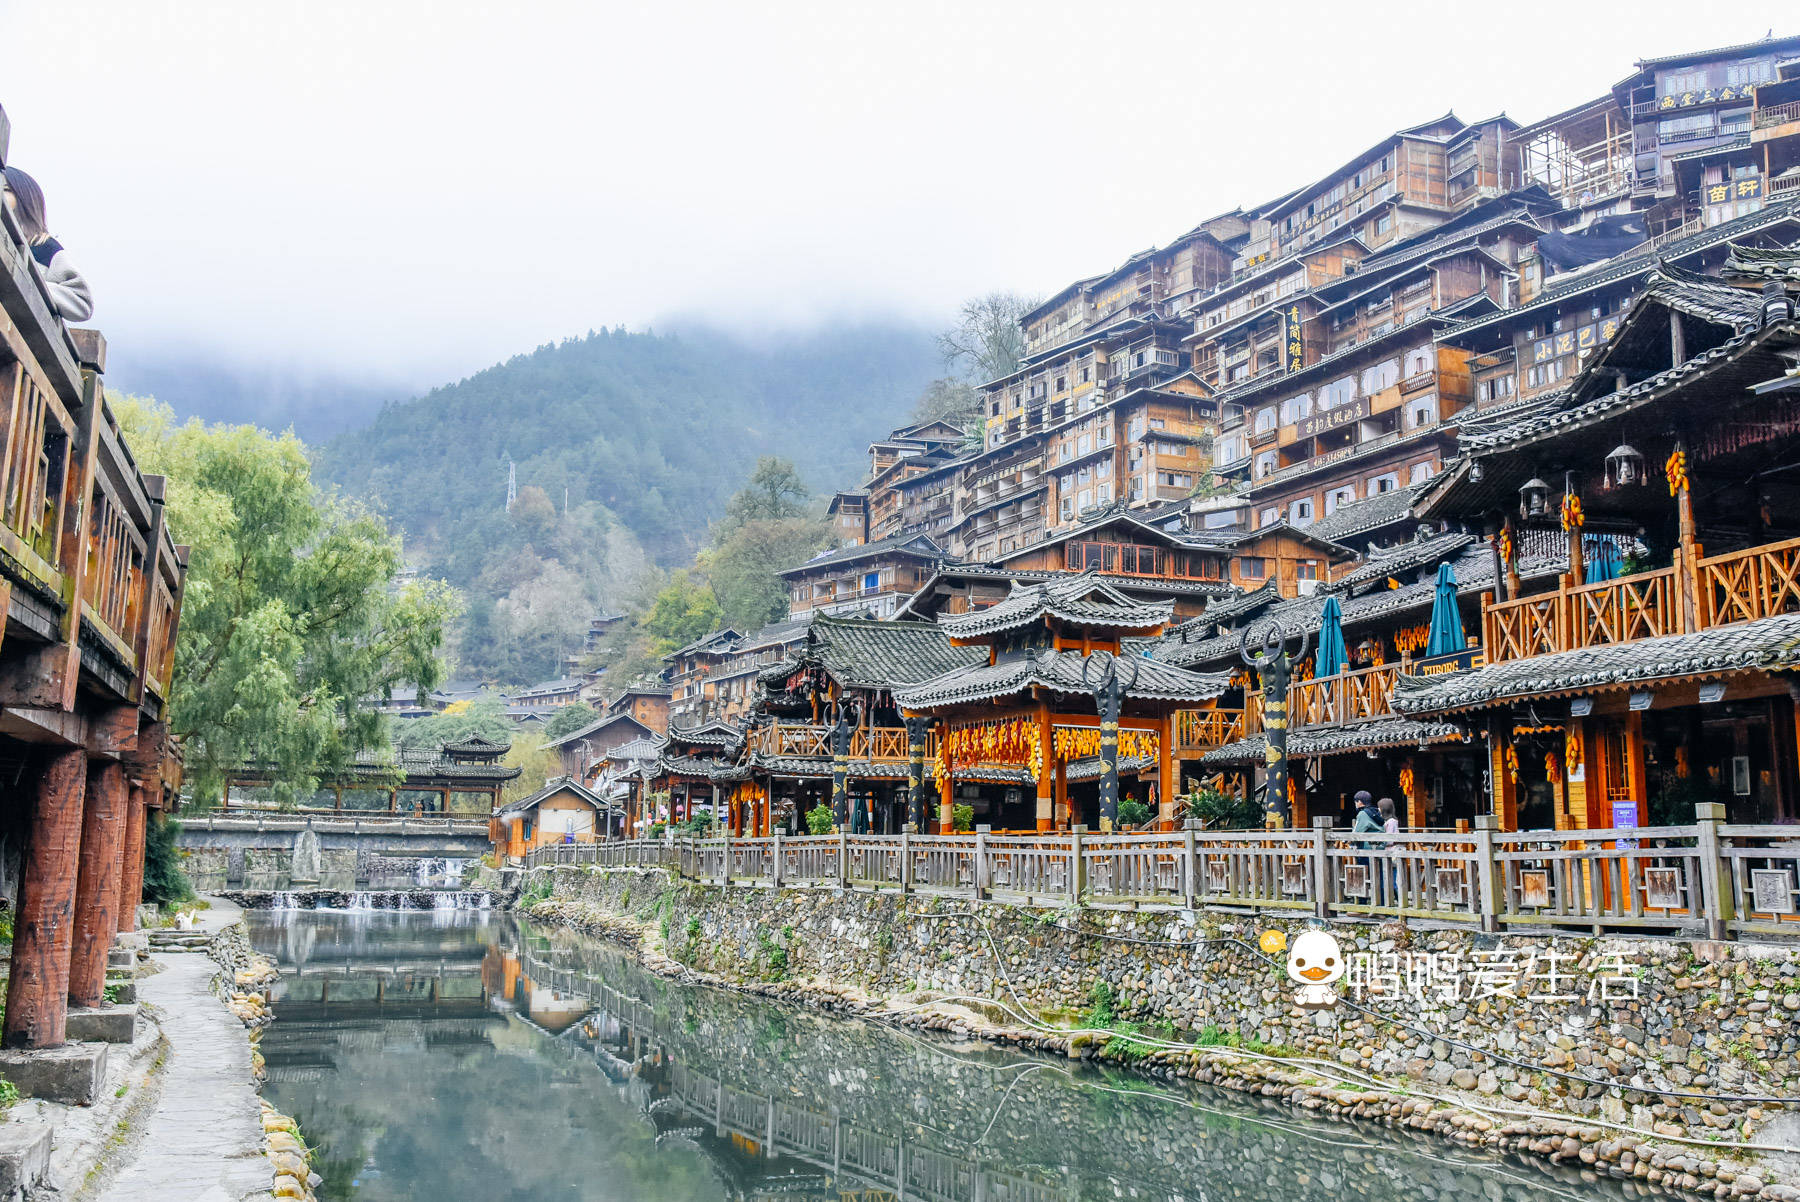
(37, 992)
(131, 888)
(105, 816)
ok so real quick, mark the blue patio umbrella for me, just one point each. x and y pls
(1331, 658)
(1446, 620)
(1603, 560)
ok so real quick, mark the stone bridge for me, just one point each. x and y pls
(274, 851)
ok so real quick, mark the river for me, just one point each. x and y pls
(459, 1056)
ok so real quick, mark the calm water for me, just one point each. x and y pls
(472, 1058)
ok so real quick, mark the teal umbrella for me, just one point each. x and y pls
(1446, 620)
(1603, 560)
(1331, 658)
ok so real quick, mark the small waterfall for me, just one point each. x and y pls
(283, 900)
(462, 899)
(362, 901)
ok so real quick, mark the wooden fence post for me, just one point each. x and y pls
(1190, 863)
(725, 858)
(843, 859)
(775, 867)
(906, 834)
(1718, 889)
(1488, 880)
(1321, 865)
(1077, 870)
(981, 878)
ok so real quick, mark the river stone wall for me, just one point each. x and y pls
(1710, 1019)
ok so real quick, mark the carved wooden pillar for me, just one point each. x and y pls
(37, 992)
(1687, 555)
(105, 816)
(1167, 787)
(131, 886)
(1046, 777)
(1504, 788)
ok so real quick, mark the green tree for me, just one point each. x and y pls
(484, 717)
(292, 616)
(681, 613)
(569, 719)
(774, 493)
(745, 568)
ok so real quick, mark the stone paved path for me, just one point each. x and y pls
(203, 1143)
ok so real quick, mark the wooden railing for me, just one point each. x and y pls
(1347, 697)
(1199, 731)
(813, 741)
(1740, 586)
(84, 555)
(1706, 878)
(1775, 114)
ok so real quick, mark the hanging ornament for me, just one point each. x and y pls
(1504, 543)
(1512, 764)
(1572, 750)
(1572, 517)
(1676, 470)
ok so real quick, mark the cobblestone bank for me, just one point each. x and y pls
(1584, 1059)
(242, 981)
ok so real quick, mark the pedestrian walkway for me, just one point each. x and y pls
(203, 1142)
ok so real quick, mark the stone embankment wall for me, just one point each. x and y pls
(1576, 1048)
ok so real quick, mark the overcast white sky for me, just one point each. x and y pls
(411, 189)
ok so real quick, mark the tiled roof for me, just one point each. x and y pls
(561, 784)
(1082, 600)
(1306, 742)
(707, 734)
(1089, 768)
(1415, 553)
(1349, 520)
(1060, 672)
(1540, 423)
(595, 727)
(640, 750)
(562, 684)
(819, 767)
(1128, 585)
(693, 765)
(1767, 644)
(1635, 262)
(1763, 263)
(916, 546)
(884, 655)
(476, 745)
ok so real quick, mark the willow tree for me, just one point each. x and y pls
(294, 613)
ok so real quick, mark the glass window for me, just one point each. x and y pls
(1295, 408)
(1383, 375)
(1422, 412)
(1251, 568)
(1266, 420)
(1419, 360)
(1338, 392)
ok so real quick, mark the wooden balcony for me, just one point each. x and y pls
(90, 579)
(1358, 696)
(1199, 731)
(808, 740)
(1740, 586)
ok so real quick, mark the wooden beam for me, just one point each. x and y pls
(131, 886)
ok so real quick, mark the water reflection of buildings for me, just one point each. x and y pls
(784, 1105)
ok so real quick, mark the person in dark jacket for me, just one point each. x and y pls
(69, 292)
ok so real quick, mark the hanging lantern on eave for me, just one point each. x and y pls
(1624, 467)
(1534, 498)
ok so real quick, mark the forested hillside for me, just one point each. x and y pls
(625, 448)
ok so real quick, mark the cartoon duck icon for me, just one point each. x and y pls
(1314, 962)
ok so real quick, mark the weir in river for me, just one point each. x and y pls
(399, 1035)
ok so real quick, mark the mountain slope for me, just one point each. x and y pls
(635, 441)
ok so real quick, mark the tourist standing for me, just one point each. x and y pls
(1390, 825)
(69, 292)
